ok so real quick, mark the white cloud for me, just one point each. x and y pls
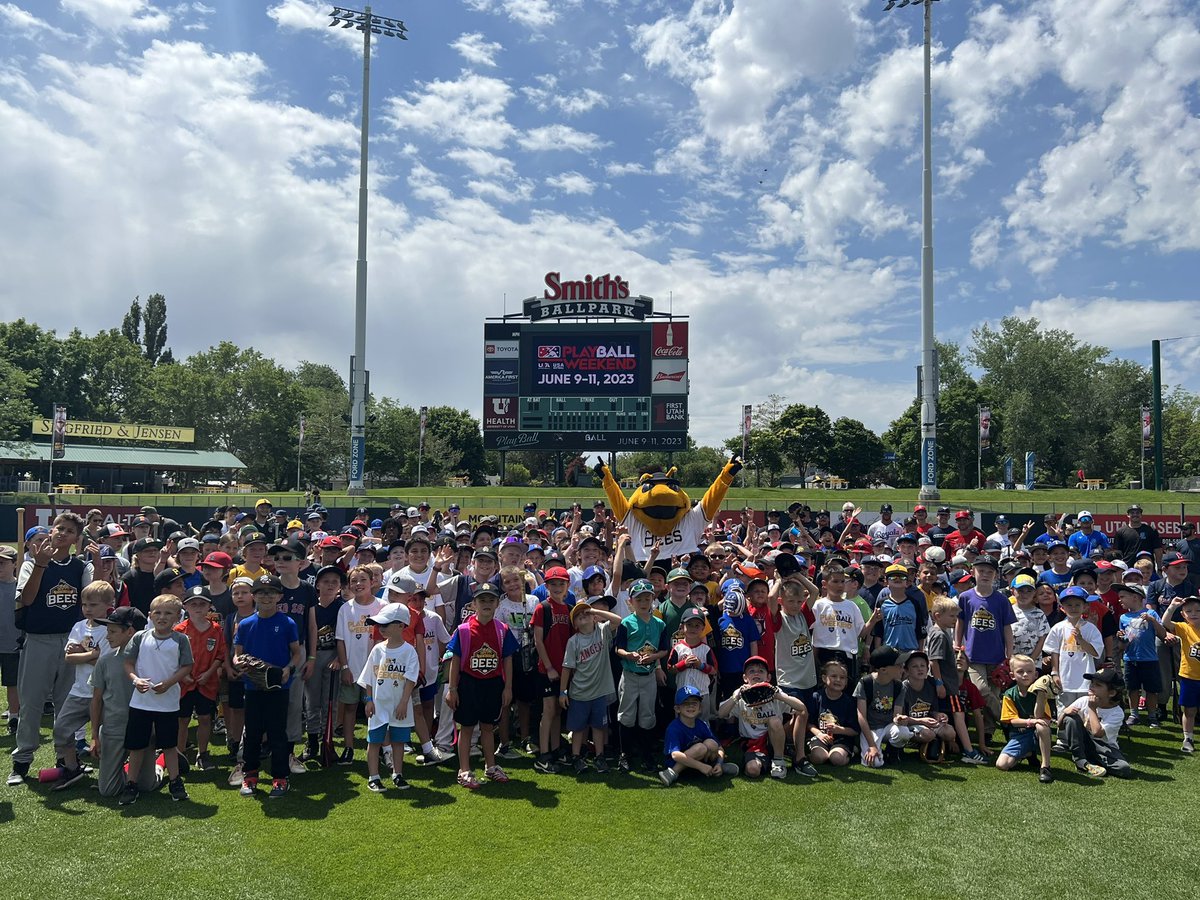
(469, 110)
(483, 163)
(116, 16)
(21, 20)
(571, 183)
(533, 14)
(616, 169)
(313, 15)
(546, 94)
(985, 243)
(1117, 323)
(475, 49)
(559, 137)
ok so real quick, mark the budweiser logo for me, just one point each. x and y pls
(668, 352)
(670, 376)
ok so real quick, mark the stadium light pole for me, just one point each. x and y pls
(368, 24)
(929, 373)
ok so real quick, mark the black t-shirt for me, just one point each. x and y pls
(1129, 541)
(327, 624)
(140, 589)
(222, 603)
(309, 575)
(296, 602)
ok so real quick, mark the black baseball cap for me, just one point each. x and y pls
(266, 584)
(167, 577)
(125, 617)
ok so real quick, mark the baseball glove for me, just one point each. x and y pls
(1045, 685)
(758, 694)
(260, 674)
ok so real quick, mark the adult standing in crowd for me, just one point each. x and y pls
(1136, 536)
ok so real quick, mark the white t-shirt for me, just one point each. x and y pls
(1112, 719)
(1073, 661)
(435, 632)
(837, 625)
(383, 676)
(89, 639)
(157, 659)
(889, 532)
(422, 578)
(354, 631)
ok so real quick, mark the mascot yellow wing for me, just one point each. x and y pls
(616, 499)
(715, 495)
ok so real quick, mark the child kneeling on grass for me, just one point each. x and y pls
(481, 651)
(387, 679)
(1027, 717)
(763, 725)
(1089, 727)
(690, 744)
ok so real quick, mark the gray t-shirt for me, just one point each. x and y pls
(8, 617)
(920, 704)
(116, 689)
(939, 644)
(794, 664)
(587, 655)
(881, 700)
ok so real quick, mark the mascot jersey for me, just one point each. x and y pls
(660, 510)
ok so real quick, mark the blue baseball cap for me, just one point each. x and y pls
(592, 571)
(35, 531)
(730, 584)
(1073, 591)
(376, 523)
(686, 693)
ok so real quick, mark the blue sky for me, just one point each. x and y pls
(757, 162)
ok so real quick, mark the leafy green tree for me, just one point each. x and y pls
(1181, 436)
(856, 451)
(154, 331)
(805, 435)
(16, 411)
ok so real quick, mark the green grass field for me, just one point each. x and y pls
(913, 831)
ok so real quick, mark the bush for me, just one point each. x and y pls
(516, 475)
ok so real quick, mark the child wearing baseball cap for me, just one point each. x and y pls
(387, 679)
(202, 685)
(551, 630)
(1089, 727)
(689, 743)
(761, 724)
(587, 681)
(642, 641)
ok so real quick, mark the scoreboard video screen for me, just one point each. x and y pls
(585, 386)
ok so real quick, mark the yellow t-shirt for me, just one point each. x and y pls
(1189, 650)
(243, 571)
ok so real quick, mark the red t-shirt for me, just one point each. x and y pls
(208, 647)
(766, 631)
(555, 634)
(956, 540)
(483, 655)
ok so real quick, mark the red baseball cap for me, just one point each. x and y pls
(963, 514)
(218, 560)
(330, 542)
(761, 660)
(557, 573)
(917, 509)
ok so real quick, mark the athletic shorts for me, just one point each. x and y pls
(950, 704)
(396, 734)
(760, 745)
(349, 693)
(1021, 744)
(1189, 692)
(9, 664)
(428, 693)
(587, 714)
(478, 701)
(526, 686)
(546, 687)
(237, 695)
(164, 725)
(1143, 675)
(848, 745)
(195, 703)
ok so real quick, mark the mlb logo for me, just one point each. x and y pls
(549, 351)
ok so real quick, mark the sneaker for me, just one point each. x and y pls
(375, 784)
(1153, 719)
(974, 758)
(249, 786)
(177, 790)
(667, 776)
(650, 764)
(531, 747)
(468, 781)
(496, 774)
(398, 782)
(295, 766)
(732, 769)
(1091, 769)
(129, 794)
(12, 726)
(219, 725)
(623, 764)
(1186, 747)
(236, 777)
(778, 769)
(504, 751)
(434, 757)
(346, 757)
(1045, 776)
(1131, 720)
(547, 766)
(279, 787)
(601, 766)
(805, 768)
(18, 773)
(1058, 747)
(204, 762)
(69, 777)
(580, 765)
(83, 748)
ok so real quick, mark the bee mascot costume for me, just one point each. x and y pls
(660, 510)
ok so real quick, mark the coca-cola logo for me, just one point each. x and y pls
(675, 352)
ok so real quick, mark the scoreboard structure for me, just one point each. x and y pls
(572, 372)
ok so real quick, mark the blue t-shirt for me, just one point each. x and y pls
(984, 619)
(899, 624)
(1087, 544)
(825, 711)
(734, 636)
(269, 639)
(679, 737)
(1056, 581)
(1140, 636)
(542, 594)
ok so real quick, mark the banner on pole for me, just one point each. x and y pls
(303, 422)
(1147, 432)
(985, 427)
(58, 434)
(424, 420)
(1030, 462)
(746, 417)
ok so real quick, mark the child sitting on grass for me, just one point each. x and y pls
(689, 743)
(1089, 727)
(1027, 717)
(763, 725)
(832, 717)
(877, 693)
(918, 710)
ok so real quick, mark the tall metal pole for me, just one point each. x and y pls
(929, 369)
(358, 375)
(1156, 411)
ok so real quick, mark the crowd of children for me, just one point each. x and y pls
(790, 648)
